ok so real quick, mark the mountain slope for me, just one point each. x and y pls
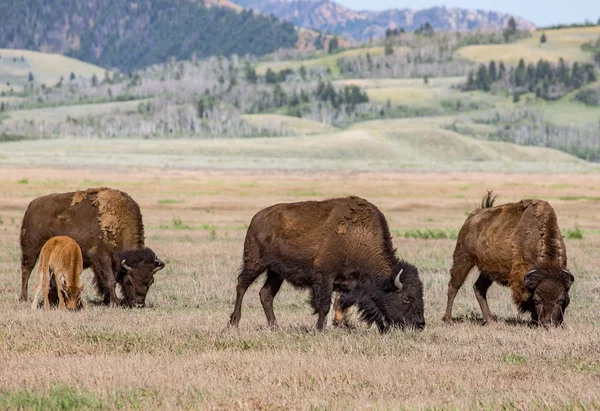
(129, 35)
(326, 15)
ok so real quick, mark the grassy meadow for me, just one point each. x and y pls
(179, 352)
(48, 68)
(565, 43)
(203, 145)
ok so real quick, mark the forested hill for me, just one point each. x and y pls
(128, 35)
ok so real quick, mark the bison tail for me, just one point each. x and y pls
(488, 200)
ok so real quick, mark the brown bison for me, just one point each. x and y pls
(61, 261)
(340, 244)
(107, 225)
(518, 245)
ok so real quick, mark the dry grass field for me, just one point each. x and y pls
(565, 43)
(46, 67)
(179, 352)
(326, 60)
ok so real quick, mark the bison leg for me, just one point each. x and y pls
(480, 287)
(27, 264)
(458, 273)
(105, 279)
(321, 302)
(245, 279)
(268, 293)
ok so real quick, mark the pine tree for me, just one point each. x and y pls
(250, 73)
(501, 71)
(520, 74)
(94, 80)
(303, 72)
(270, 77)
(483, 78)
(543, 39)
(72, 76)
(492, 71)
(471, 81)
(30, 77)
(388, 49)
(333, 45)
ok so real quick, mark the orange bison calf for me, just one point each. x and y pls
(518, 245)
(60, 258)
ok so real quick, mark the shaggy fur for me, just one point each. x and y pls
(60, 258)
(102, 221)
(505, 243)
(136, 270)
(342, 244)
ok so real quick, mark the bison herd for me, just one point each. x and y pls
(340, 245)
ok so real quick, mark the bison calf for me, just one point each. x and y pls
(60, 258)
(107, 225)
(518, 245)
(342, 244)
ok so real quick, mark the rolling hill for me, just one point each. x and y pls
(47, 68)
(325, 15)
(565, 43)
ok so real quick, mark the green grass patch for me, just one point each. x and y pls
(57, 398)
(211, 229)
(92, 183)
(514, 359)
(176, 224)
(63, 397)
(575, 233)
(576, 198)
(169, 201)
(430, 233)
(23, 181)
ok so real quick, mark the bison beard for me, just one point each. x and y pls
(342, 244)
(518, 245)
(377, 303)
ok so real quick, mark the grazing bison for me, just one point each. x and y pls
(107, 225)
(60, 258)
(518, 245)
(340, 244)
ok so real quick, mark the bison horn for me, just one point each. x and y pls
(397, 282)
(125, 266)
(63, 280)
(529, 272)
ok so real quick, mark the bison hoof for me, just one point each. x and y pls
(234, 320)
(490, 320)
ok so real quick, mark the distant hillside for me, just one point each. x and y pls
(132, 34)
(326, 15)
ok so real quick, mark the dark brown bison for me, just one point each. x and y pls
(107, 225)
(518, 245)
(341, 244)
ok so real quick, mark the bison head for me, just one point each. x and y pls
(136, 270)
(549, 288)
(391, 301)
(71, 295)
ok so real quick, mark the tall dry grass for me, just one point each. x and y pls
(179, 352)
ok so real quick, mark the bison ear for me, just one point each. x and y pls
(532, 279)
(568, 279)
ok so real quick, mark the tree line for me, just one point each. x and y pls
(548, 81)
